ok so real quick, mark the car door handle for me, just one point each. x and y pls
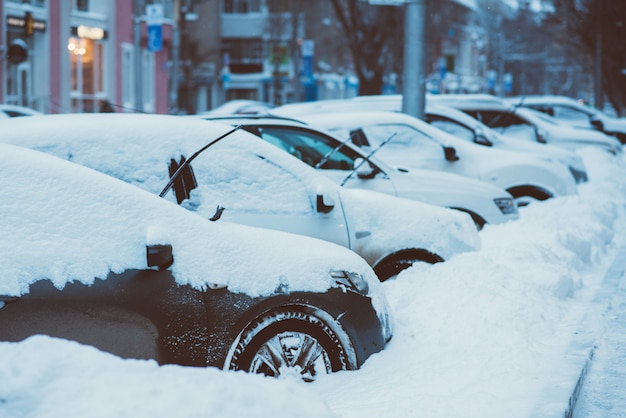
(5, 300)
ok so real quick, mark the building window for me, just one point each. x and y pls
(40, 3)
(244, 49)
(82, 5)
(86, 63)
(242, 6)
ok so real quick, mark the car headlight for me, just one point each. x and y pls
(351, 281)
(506, 205)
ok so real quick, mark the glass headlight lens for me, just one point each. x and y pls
(506, 205)
(350, 280)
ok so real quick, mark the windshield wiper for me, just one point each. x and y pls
(183, 166)
(367, 157)
(505, 113)
(332, 152)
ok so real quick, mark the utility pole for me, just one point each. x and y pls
(414, 77)
(295, 49)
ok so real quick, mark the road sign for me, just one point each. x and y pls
(154, 22)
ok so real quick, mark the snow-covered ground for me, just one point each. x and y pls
(502, 331)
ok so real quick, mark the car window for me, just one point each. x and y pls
(310, 147)
(452, 127)
(244, 182)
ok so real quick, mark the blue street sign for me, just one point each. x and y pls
(154, 22)
(155, 38)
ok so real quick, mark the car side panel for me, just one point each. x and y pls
(137, 314)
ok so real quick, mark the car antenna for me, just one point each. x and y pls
(185, 164)
(367, 157)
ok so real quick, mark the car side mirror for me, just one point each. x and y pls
(160, 256)
(324, 202)
(541, 136)
(596, 123)
(481, 139)
(450, 154)
(364, 169)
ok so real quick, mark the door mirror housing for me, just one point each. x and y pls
(450, 154)
(364, 169)
(324, 202)
(481, 139)
(596, 123)
(159, 255)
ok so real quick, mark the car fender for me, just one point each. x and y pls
(403, 224)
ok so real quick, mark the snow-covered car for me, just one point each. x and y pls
(226, 173)
(406, 141)
(462, 125)
(484, 202)
(571, 112)
(525, 123)
(89, 258)
(450, 120)
(13, 111)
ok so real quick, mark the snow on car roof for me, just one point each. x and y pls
(65, 222)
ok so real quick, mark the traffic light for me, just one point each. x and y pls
(17, 51)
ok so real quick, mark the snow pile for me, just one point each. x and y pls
(45, 377)
(486, 334)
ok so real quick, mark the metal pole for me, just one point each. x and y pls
(295, 49)
(137, 47)
(413, 97)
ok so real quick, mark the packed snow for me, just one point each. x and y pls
(501, 331)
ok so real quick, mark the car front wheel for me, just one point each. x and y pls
(289, 342)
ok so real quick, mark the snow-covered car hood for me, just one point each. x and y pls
(452, 191)
(442, 231)
(64, 222)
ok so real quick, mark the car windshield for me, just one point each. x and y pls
(311, 147)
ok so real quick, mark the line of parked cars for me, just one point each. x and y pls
(255, 241)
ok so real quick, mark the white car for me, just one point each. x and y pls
(89, 258)
(486, 203)
(406, 141)
(527, 124)
(232, 175)
(462, 125)
(13, 111)
(573, 113)
(450, 120)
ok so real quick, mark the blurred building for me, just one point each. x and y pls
(186, 56)
(72, 56)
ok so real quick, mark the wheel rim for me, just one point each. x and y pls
(291, 353)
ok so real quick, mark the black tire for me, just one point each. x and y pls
(393, 265)
(391, 268)
(289, 341)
